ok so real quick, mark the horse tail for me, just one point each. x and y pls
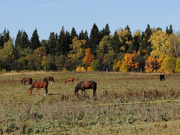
(53, 80)
(30, 80)
(94, 88)
(22, 81)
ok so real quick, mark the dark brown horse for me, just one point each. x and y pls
(28, 80)
(86, 85)
(39, 84)
(49, 78)
(69, 80)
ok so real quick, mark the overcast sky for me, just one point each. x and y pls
(50, 15)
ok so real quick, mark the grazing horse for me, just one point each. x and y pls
(39, 84)
(50, 78)
(162, 77)
(69, 80)
(24, 80)
(86, 85)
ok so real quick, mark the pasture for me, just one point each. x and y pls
(128, 103)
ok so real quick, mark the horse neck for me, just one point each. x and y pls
(32, 86)
(77, 88)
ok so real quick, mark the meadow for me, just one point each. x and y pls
(128, 103)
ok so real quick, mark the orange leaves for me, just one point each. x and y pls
(89, 57)
(128, 64)
(153, 64)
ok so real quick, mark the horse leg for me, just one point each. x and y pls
(94, 93)
(76, 94)
(37, 90)
(45, 90)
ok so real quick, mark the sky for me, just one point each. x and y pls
(50, 15)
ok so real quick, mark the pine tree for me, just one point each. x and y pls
(22, 40)
(73, 33)
(63, 42)
(169, 30)
(144, 43)
(94, 38)
(4, 37)
(25, 40)
(18, 41)
(136, 41)
(105, 31)
(1, 41)
(35, 43)
(116, 43)
(51, 45)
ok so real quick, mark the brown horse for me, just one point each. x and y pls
(69, 80)
(86, 85)
(49, 78)
(39, 84)
(24, 80)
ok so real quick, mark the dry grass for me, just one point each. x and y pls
(62, 113)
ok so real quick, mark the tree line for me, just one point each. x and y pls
(152, 50)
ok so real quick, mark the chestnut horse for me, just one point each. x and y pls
(50, 78)
(86, 85)
(39, 84)
(24, 80)
(69, 80)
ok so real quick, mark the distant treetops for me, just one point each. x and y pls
(152, 50)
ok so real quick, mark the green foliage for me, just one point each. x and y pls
(22, 40)
(52, 43)
(94, 39)
(60, 62)
(63, 42)
(45, 63)
(7, 51)
(95, 65)
(35, 43)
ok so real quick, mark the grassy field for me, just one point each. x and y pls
(128, 103)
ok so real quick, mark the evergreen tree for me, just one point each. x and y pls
(22, 40)
(136, 41)
(35, 43)
(1, 41)
(81, 35)
(18, 41)
(144, 43)
(63, 42)
(169, 30)
(116, 43)
(25, 40)
(86, 37)
(4, 37)
(105, 31)
(73, 33)
(51, 45)
(68, 41)
(95, 38)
